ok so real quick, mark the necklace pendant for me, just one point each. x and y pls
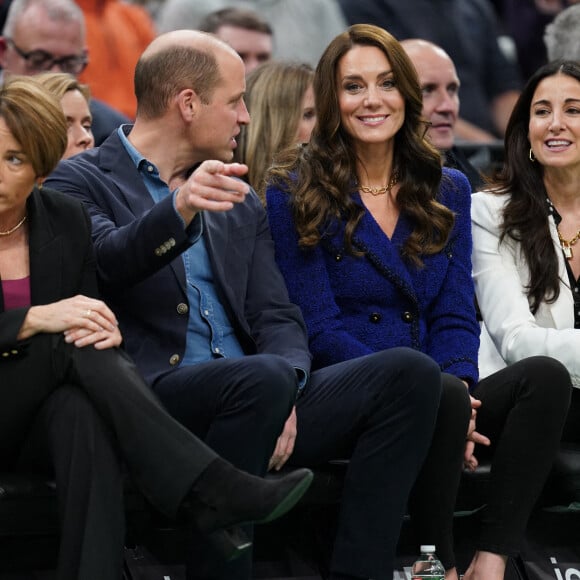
(567, 249)
(374, 191)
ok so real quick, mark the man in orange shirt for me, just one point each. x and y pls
(116, 35)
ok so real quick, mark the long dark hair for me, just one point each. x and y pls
(524, 216)
(320, 176)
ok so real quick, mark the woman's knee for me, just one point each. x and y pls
(544, 378)
(415, 365)
(403, 371)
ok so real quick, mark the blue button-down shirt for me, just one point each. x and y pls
(210, 334)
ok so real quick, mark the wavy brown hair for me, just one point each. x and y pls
(321, 176)
(524, 216)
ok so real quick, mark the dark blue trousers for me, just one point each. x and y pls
(379, 411)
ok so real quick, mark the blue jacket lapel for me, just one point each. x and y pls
(384, 253)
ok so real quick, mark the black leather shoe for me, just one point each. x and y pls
(224, 496)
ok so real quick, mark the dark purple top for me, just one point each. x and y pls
(16, 293)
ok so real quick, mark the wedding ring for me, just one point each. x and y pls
(88, 313)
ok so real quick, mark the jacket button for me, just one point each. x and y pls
(158, 252)
(182, 308)
(375, 317)
(174, 359)
(338, 257)
(407, 317)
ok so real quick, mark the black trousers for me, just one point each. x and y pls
(379, 411)
(523, 412)
(89, 409)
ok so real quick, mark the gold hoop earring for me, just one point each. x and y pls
(531, 156)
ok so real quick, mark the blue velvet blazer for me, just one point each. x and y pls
(354, 305)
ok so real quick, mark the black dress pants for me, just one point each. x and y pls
(523, 412)
(379, 411)
(70, 441)
(118, 415)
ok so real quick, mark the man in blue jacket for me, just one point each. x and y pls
(185, 260)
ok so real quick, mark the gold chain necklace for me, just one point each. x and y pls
(566, 245)
(374, 191)
(12, 230)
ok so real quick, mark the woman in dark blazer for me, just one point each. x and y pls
(373, 238)
(70, 400)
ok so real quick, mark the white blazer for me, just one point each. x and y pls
(511, 332)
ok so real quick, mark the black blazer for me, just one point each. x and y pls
(61, 260)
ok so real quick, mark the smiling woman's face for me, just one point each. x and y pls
(372, 110)
(554, 127)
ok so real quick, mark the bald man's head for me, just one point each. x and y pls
(176, 61)
(440, 87)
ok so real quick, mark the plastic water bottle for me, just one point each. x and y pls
(428, 566)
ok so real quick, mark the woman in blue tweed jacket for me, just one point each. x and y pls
(373, 238)
(357, 304)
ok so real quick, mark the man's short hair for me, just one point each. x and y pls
(236, 17)
(562, 35)
(161, 76)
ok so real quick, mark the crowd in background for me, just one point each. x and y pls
(495, 44)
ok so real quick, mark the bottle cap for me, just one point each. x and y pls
(427, 548)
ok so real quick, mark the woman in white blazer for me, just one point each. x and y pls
(526, 255)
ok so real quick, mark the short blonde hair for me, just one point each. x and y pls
(34, 117)
(59, 84)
